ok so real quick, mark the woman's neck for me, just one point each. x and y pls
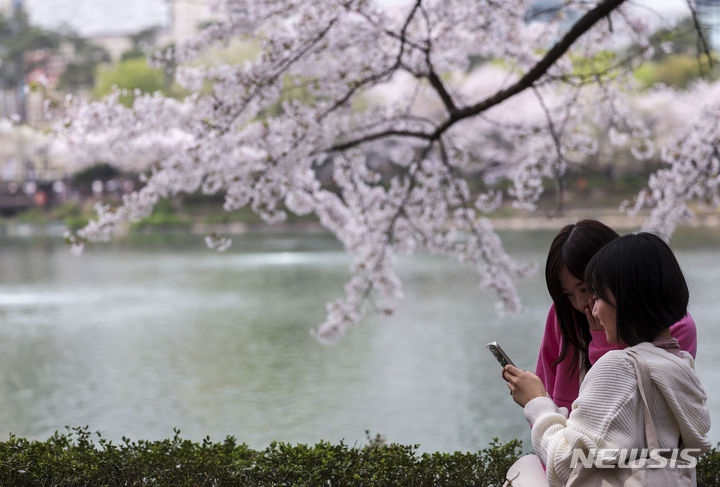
(664, 334)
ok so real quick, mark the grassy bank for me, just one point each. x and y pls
(204, 215)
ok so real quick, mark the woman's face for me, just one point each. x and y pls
(574, 289)
(606, 313)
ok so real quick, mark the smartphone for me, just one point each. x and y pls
(500, 354)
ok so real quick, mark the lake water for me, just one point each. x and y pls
(141, 336)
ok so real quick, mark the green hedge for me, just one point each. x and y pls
(74, 459)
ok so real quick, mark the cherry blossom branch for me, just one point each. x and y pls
(432, 75)
(394, 35)
(380, 135)
(372, 120)
(282, 69)
(556, 52)
(559, 173)
(585, 23)
(357, 85)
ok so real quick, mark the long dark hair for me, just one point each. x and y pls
(646, 280)
(573, 248)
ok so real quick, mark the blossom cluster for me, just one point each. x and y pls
(389, 98)
(691, 162)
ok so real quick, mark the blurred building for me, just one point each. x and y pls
(110, 23)
(8, 6)
(29, 175)
(185, 19)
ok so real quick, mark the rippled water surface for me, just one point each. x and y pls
(138, 337)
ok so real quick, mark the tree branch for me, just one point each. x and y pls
(701, 36)
(377, 76)
(379, 135)
(585, 23)
(559, 177)
(558, 50)
(392, 34)
(432, 75)
(284, 65)
(437, 83)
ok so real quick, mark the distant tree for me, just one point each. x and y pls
(676, 70)
(133, 72)
(523, 116)
(681, 38)
(24, 47)
(680, 56)
(82, 60)
(143, 43)
(99, 172)
(130, 74)
(17, 39)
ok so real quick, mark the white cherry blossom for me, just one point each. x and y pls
(372, 119)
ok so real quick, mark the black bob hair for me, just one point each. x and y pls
(573, 247)
(649, 288)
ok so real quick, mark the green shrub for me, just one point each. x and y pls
(74, 459)
(677, 71)
(75, 222)
(165, 215)
(34, 215)
(129, 74)
(162, 219)
(708, 469)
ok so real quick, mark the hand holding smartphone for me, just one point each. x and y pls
(499, 354)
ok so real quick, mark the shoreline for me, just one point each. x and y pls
(20, 229)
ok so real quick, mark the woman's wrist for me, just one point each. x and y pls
(537, 407)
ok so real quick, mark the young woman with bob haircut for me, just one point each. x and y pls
(573, 340)
(639, 291)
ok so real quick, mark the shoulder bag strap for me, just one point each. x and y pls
(644, 386)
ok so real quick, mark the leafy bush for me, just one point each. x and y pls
(165, 215)
(708, 469)
(74, 459)
(130, 74)
(677, 71)
(101, 171)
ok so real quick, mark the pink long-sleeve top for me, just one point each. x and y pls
(562, 381)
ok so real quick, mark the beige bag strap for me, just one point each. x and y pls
(644, 385)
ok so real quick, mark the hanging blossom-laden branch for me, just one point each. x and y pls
(691, 171)
(400, 167)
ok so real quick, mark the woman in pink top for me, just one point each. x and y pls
(573, 339)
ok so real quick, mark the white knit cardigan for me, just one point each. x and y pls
(608, 411)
